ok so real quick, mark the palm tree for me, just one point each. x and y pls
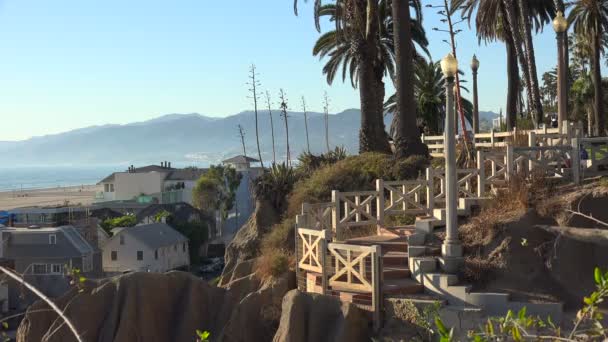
(429, 90)
(590, 19)
(492, 25)
(362, 48)
(406, 136)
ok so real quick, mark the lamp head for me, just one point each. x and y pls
(560, 24)
(475, 63)
(449, 66)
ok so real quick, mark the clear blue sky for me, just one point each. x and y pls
(66, 64)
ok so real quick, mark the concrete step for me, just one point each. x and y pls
(387, 244)
(402, 287)
(403, 231)
(395, 259)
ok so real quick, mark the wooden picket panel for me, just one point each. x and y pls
(552, 161)
(314, 244)
(404, 197)
(318, 215)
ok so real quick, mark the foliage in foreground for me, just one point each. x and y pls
(523, 327)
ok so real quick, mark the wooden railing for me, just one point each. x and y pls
(353, 209)
(318, 215)
(597, 154)
(548, 161)
(342, 268)
(492, 166)
(466, 180)
(404, 198)
(493, 139)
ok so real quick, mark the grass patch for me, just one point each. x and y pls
(276, 252)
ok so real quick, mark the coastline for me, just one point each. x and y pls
(75, 195)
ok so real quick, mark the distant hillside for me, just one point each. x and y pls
(183, 139)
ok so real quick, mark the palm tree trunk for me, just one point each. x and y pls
(407, 136)
(598, 107)
(509, 6)
(513, 84)
(371, 91)
(524, 14)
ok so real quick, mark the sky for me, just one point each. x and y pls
(67, 64)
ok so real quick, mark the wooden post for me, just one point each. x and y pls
(297, 241)
(510, 161)
(357, 205)
(492, 138)
(531, 139)
(430, 190)
(323, 261)
(377, 286)
(305, 223)
(575, 161)
(481, 174)
(380, 204)
(335, 215)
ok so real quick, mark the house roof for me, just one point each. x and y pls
(28, 243)
(181, 212)
(154, 235)
(171, 173)
(241, 160)
(188, 174)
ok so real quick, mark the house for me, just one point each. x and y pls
(150, 184)
(240, 163)
(44, 256)
(152, 247)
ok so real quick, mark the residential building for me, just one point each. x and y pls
(44, 256)
(150, 184)
(152, 247)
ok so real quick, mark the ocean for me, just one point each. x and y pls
(41, 177)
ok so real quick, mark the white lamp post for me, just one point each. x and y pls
(560, 25)
(451, 250)
(474, 68)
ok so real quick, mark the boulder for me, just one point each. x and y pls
(155, 307)
(246, 242)
(317, 318)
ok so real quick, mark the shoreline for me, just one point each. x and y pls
(75, 195)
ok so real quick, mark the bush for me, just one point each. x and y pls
(352, 174)
(197, 234)
(123, 222)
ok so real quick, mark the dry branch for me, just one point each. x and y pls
(594, 236)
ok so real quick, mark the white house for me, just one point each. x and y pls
(145, 248)
(158, 183)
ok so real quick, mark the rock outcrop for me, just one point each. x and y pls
(163, 307)
(246, 243)
(316, 318)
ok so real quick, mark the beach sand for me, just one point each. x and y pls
(83, 195)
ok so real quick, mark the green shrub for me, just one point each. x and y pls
(123, 221)
(197, 234)
(352, 174)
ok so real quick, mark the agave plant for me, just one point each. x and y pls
(275, 184)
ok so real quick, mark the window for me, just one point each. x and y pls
(122, 239)
(87, 263)
(156, 254)
(114, 255)
(106, 187)
(52, 239)
(112, 187)
(39, 268)
(140, 255)
(56, 268)
(175, 248)
(183, 247)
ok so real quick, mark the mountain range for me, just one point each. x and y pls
(186, 139)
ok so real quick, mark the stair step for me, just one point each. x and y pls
(387, 244)
(396, 272)
(395, 259)
(402, 286)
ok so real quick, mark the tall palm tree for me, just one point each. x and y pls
(590, 19)
(429, 90)
(406, 136)
(361, 47)
(492, 24)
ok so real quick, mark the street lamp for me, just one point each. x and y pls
(560, 25)
(451, 250)
(474, 68)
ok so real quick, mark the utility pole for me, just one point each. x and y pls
(242, 135)
(284, 107)
(305, 123)
(268, 103)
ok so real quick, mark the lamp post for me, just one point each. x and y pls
(474, 68)
(560, 25)
(451, 250)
